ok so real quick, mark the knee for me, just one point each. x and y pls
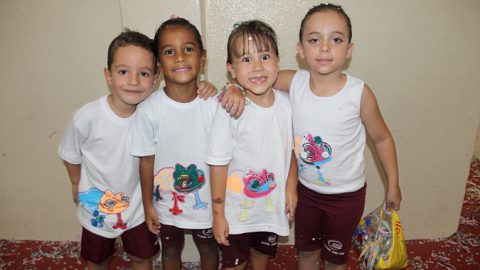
(171, 253)
(208, 250)
(137, 260)
(309, 255)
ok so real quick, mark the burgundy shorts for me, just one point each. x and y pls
(240, 244)
(327, 222)
(137, 241)
(172, 236)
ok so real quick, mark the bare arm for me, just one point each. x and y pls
(146, 181)
(74, 175)
(384, 145)
(291, 189)
(218, 189)
(284, 79)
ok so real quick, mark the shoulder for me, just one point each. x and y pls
(91, 109)
(151, 100)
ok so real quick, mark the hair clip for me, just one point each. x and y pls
(173, 16)
(236, 25)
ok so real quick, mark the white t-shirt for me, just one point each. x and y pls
(257, 148)
(177, 134)
(110, 198)
(329, 136)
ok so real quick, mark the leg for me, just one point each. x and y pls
(102, 266)
(141, 246)
(259, 260)
(139, 263)
(309, 260)
(172, 239)
(238, 267)
(332, 266)
(207, 247)
(171, 258)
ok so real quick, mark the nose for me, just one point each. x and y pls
(325, 47)
(180, 57)
(257, 65)
(133, 79)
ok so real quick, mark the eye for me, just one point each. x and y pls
(168, 52)
(122, 72)
(145, 74)
(189, 49)
(314, 41)
(337, 40)
(266, 57)
(246, 59)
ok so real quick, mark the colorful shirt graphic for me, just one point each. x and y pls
(312, 152)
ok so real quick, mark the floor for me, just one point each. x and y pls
(459, 251)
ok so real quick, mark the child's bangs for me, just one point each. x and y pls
(260, 42)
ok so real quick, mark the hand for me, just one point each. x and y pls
(233, 101)
(151, 219)
(394, 196)
(220, 230)
(75, 193)
(206, 90)
(291, 201)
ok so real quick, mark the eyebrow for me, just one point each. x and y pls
(125, 66)
(334, 32)
(186, 43)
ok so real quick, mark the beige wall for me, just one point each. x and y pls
(419, 57)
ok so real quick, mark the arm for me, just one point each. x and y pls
(284, 80)
(206, 90)
(74, 175)
(146, 182)
(384, 145)
(233, 99)
(291, 198)
(218, 188)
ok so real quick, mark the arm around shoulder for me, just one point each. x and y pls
(384, 145)
(284, 80)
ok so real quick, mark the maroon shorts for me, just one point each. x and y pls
(240, 244)
(137, 241)
(327, 222)
(172, 236)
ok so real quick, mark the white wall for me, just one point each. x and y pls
(419, 57)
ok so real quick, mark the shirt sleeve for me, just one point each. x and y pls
(73, 137)
(143, 134)
(220, 147)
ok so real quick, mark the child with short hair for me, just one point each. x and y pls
(253, 182)
(171, 137)
(331, 111)
(96, 151)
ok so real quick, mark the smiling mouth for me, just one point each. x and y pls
(258, 80)
(182, 69)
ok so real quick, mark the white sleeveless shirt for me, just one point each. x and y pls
(329, 136)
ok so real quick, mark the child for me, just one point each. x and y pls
(250, 157)
(331, 111)
(96, 152)
(171, 136)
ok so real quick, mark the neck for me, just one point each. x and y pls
(183, 93)
(327, 85)
(264, 100)
(121, 109)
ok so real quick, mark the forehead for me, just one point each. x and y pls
(133, 55)
(326, 20)
(177, 34)
(247, 43)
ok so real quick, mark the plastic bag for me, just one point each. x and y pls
(379, 237)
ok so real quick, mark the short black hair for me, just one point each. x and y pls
(176, 22)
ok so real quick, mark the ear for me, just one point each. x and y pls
(300, 50)
(350, 50)
(231, 69)
(108, 76)
(203, 58)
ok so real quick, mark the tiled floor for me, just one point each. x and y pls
(460, 251)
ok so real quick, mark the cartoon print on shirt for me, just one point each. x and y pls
(312, 151)
(247, 187)
(178, 181)
(101, 203)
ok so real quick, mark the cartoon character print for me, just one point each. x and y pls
(101, 203)
(247, 187)
(313, 151)
(178, 181)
